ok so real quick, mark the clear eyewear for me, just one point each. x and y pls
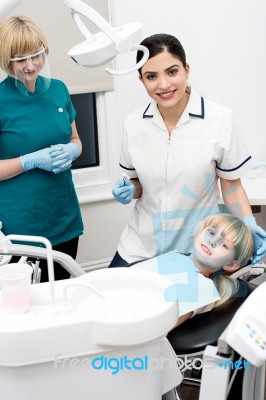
(34, 58)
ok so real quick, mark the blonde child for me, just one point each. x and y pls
(222, 244)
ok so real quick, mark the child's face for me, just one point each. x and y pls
(213, 248)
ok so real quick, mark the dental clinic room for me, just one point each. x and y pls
(132, 230)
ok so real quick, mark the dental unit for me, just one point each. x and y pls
(78, 333)
(79, 339)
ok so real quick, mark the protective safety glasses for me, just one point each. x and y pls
(34, 58)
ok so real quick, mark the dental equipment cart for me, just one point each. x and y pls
(97, 336)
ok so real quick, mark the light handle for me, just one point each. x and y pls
(136, 66)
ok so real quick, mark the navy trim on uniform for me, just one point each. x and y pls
(234, 169)
(144, 114)
(129, 169)
(202, 115)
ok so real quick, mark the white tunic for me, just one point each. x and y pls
(178, 173)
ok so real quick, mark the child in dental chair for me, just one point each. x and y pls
(222, 244)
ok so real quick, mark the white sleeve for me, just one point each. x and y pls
(125, 158)
(234, 159)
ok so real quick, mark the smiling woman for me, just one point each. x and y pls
(176, 149)
(167, 85)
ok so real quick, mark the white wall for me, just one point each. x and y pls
(225, 46)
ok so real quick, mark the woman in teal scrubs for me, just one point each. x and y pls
(38, 142)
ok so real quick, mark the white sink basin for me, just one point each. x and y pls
(134, 311)
(95, 311)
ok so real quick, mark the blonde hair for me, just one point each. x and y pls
(243, 246)
(19, 35)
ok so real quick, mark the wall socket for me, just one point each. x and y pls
(256, 209)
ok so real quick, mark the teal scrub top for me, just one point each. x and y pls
(37, 202)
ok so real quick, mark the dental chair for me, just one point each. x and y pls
(190, 339)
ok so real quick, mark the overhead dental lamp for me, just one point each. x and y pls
(99, 48)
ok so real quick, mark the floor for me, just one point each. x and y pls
(190, 393)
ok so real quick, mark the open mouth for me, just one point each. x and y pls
(166, 95)
(205, 249)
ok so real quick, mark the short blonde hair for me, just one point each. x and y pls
(19, 35)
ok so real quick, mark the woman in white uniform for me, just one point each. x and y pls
(175, 150)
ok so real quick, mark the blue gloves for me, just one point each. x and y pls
(123, 191)
(56, 158)
(43, 159)
(259, 238)
(71, 150)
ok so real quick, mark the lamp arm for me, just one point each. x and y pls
(122, 45)
(83, 29)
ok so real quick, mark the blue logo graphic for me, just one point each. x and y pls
(113, 364)
(239, 364)
(118, 364)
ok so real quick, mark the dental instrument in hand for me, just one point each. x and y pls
(123, 190)
(125, 177)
